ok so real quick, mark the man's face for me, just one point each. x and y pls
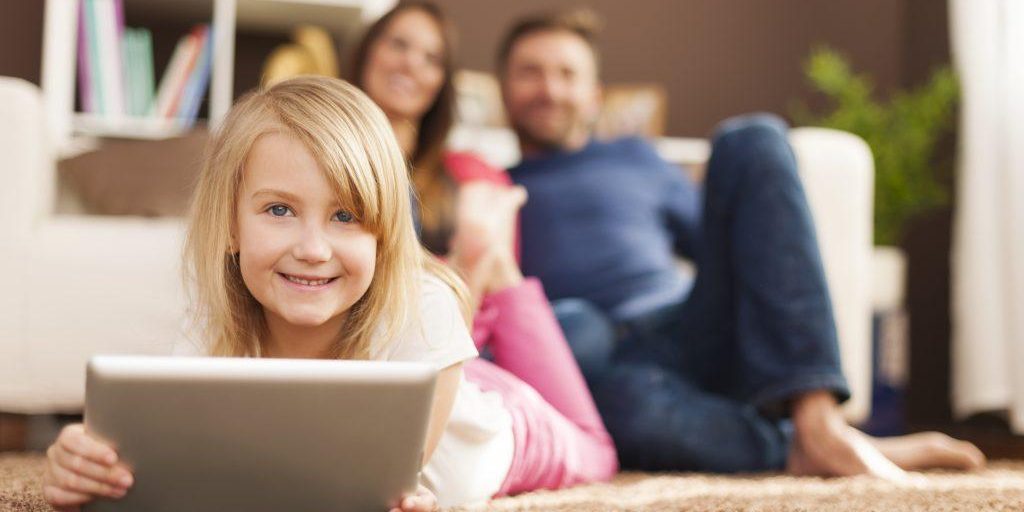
(550, 90)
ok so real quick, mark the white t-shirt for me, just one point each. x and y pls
(475, 452)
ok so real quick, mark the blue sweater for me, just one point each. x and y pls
(604, 224)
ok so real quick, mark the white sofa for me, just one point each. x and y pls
(80, 285)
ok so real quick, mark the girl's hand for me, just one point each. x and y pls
(422, 501)
(81, 468)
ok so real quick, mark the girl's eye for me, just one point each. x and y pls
(344, 216)
(278, 210)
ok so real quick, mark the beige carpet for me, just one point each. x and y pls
(1001, 487)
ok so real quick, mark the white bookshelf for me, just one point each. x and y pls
(227, 17)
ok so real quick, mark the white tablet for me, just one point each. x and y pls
(226, 434)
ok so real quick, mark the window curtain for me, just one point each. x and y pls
(988, 245)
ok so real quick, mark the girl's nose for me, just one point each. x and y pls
(312, 246)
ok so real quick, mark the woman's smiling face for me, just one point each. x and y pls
(405, 66)
(303, 256)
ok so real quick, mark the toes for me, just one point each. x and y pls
(949, 452)
(974, 456)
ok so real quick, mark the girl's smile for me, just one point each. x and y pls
(309, 283)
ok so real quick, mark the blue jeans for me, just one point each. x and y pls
(704, 384)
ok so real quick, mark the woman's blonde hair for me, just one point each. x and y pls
(353, 144)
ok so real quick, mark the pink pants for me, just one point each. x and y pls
(560, 439)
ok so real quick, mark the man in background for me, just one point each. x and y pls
(741, 370)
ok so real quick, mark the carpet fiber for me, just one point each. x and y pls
(1000, 487)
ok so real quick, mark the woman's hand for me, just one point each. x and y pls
(81, 468)
(422, 501)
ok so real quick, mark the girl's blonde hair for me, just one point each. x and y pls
(354, 146)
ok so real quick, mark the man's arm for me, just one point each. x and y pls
(683, 205)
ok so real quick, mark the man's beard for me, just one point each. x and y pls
(557, 140)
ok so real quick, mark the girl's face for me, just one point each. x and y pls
(405, 66)
(302, 256)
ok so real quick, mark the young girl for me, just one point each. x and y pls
(301, 245)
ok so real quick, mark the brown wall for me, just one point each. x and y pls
(21, 38)
(926, 39)
(927, 239)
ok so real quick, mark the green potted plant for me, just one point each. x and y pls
(902, 132)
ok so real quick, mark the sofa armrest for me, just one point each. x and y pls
(84, 286)
(27, 172)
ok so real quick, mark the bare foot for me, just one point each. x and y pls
(928, 450)
(482, 245)
(824, 445)
(485, 214)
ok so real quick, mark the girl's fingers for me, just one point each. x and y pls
(116, 475)
(63, 499)
(73, 482)
(75, 440)
(412, 504)
(422, 501)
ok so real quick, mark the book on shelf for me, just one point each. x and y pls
(188, 69)
(86, 92)
(192, 96)
(116, 71)
(174, 73)
(109, 27)
(88, 59)
(138, 58)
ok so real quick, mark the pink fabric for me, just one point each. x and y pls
(464, 167)
(560, 439)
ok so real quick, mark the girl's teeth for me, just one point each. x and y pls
(318, 282)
